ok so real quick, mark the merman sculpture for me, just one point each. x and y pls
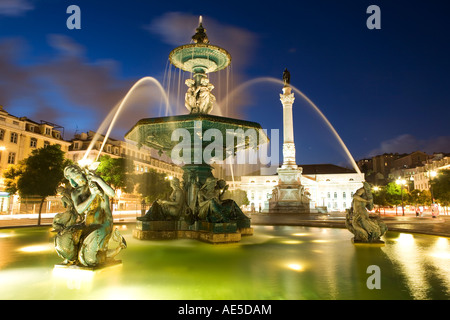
(366, 228)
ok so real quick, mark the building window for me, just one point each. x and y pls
(344, 195)
(33, 142)
(75, 145)
(48, 131)
(2, 134)
(12, 158)
(335, 195)
(46, 144)
(14, 136)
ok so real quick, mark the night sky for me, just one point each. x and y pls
(383, 90)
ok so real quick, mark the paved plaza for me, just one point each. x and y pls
(439, 226)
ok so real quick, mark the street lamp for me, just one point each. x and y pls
(431, 174)
(401, 182)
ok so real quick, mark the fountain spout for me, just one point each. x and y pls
(200, 36)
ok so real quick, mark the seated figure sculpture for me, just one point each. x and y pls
(366, 228)
(166, 210)
(83, 238)
(211, 205)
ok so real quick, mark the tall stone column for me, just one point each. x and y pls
(288, 196)
(287, 100)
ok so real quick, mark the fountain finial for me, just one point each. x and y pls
(200, 36)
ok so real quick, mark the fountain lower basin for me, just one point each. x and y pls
(277, 262)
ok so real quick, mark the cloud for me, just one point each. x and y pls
(67, 88)
(240, 43)
(407, 143)
(14, 7)
(65, 45)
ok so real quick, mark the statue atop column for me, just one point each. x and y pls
(286, 77)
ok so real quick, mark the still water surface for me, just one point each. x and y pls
(277, 262)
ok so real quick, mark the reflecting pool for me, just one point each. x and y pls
(277, 262)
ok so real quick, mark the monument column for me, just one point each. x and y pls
(288, 196)
(287, 100)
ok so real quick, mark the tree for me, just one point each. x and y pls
(11, 175)
(117, 172)
(440, 187)
(39, 174)
(419, 197)
(394, 194)
(152, 185)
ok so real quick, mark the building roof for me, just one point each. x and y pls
(311, 169)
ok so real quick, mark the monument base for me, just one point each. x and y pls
(215, 233)
(289, 207)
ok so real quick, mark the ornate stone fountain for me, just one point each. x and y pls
(196, 208)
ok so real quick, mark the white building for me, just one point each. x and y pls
(330, 187)
(429, 170)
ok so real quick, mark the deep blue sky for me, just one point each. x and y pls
(383, 90)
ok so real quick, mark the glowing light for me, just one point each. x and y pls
(295, 266)
(405, 238)
(4, 235)
(291, 242)
(320, 241)
(300, 234)
(75, 279)
(441, 255)
(36, 248)
(85, 162)
(441, 249)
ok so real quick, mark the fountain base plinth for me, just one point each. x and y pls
(375, 242)
(223, 232)
(108, 263)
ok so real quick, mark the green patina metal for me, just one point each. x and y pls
(197, 208)
(200, 58)
(158, 133)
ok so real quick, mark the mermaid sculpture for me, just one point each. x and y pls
(366, 228)
(86, 227)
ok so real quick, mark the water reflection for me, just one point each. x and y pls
(277, 262)
(422, 263)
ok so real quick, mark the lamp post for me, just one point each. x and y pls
(401, 182)
(431, 175)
